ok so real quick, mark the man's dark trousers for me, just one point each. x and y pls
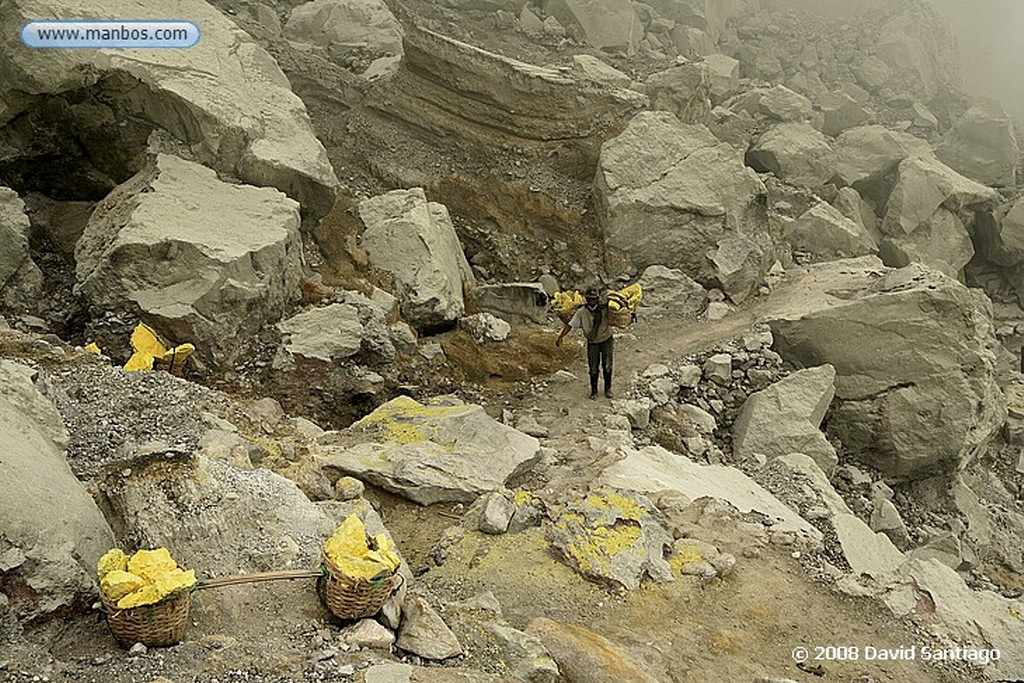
(599, 357)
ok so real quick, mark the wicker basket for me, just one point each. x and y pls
(349, 598)
(157, 625)
(620, 318)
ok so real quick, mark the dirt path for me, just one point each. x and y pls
(573, 420)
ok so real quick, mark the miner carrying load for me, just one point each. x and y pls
(594, 318)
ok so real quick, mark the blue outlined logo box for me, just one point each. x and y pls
(110, 33)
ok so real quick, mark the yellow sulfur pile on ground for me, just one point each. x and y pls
(146, 578)
(349, 551)
(151, 352)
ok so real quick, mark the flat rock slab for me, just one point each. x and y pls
(587, 657)
(655, 469)
(443, 450)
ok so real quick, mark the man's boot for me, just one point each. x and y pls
(607, 386)
(593, 387)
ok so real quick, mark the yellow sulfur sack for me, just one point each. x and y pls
(117, 583)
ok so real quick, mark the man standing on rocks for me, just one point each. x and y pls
(593, 318)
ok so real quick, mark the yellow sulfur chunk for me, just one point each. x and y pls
(117, 583)
(149, 594)
(111, 560)
(91, 347)
(151, 564)
(349, 540)
(359, 568)
(175, 581)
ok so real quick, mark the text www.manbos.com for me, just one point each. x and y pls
(109, 34)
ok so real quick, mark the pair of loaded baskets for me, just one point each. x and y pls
(164, 623)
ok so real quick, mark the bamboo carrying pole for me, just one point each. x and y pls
(256, 578)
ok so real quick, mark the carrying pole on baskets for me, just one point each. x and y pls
(257, 578)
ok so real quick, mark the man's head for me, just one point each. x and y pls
(592, 298)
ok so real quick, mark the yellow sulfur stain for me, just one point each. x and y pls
(687, 557)
(406, 421)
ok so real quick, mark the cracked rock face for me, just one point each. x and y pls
(915, 371)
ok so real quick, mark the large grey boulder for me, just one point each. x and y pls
(590, 68)
(51, 532)
(941, 242)
(865, 154)
(216, 516)
(684, 90)
(915, 372)
(606, 24)
(670, 292)
(613, 537)
(921, 222)
(825, 233)
(982, 145)
(653, 469)
(1000, 236)
(723, 75)
(341, 25)
(774, 104)
(840, 112)
(516, 301)
(415, 241)
(794, 152)
(225, 97)
(924, 185)
(202, 260)
(671, 194)
(21, 281)
(784, 418)
(338, 331)
(443, 450)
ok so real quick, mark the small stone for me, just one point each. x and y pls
(485, 601)
(137, 650)
(369, 634)
(718, 368)
(347, 488)
(496, 514)
(424, 633)
(717, 310)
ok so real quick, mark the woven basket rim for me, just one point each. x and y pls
(110, 606)
(333, 569)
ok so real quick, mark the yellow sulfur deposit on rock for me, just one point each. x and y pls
(405, 421)
(146, 578)
(348, 550)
